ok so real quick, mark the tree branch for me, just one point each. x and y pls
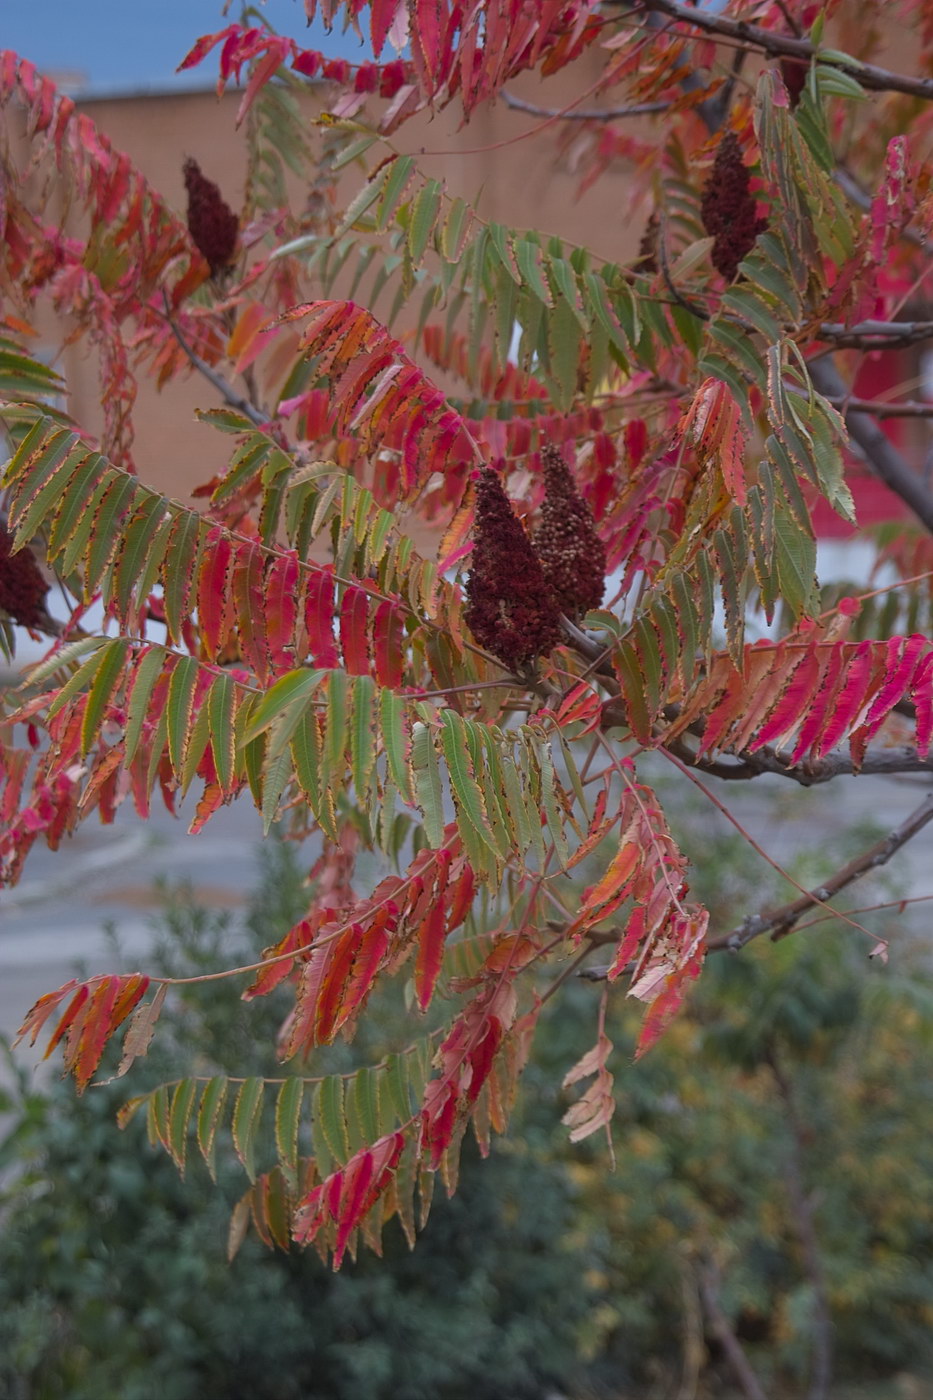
(785, 46)
(876, 335)
(882, 456)
(804, 1227)
(724, 1332)
(779, 922)
(583, 114)
(909, 408)
(810, 772)
(222, 385)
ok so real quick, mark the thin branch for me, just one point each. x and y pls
(909, 408)
(779, 922)
(785, 46)
(585, 114)
(222, 385)
(876, 335)
(804, 1226)
(724, 1332)
(882, 456)
(810, 772)
(816, 897)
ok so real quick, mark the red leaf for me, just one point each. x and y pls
(248, 593)
(202, 47)
(319, 620)
(214, 591)
(388, 639)
(354, 623)
(282, 588)
(431, 935)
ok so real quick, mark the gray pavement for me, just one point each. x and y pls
(57, 915)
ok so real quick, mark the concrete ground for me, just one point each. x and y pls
(57, 915)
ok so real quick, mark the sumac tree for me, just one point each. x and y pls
(627, 475)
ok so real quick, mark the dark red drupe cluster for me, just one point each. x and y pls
(510, 609)
(518, 588)
(571, 553)
(213, 226)
(728, 208)
(22, 585)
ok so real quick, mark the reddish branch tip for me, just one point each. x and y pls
(22, 586)
(510, 610)
(728, 209)
(211, 222)
(571, 553)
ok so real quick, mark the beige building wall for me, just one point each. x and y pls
(527, 180)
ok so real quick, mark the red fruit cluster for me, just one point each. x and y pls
(728, 209)
(211, 222)
(22, 585)
(571, 553)
(510, 609)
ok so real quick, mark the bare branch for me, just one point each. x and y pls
(810, 772)
(584, 114)
(909, 408)
(222, 385)
(877, 335)
(724, 1332)
(804, 1226)
(785, 46)
(779, 922)
(882, 456)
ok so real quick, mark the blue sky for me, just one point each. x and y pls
(120, 45)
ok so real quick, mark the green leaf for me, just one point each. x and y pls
(362, 737)
(210, 1112)
(397, 179)
(287, 1118)
(427, 783)
(111, 663)
(179, 1118)
(178, 709)
(220, 706)
(284, 702)
(46, 455)
(465, 789)
(362, 1109)
(145, 675)
(84, 676)
(395, 739)
(107, 529)
(395, 1089)
(329, 1120)
(182, 571)
(424, 212)
(246, 1115)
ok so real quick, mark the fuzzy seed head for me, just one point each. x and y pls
(211, 222)
(510, 610)
(572, 555)
(728, 209)
(22, 586)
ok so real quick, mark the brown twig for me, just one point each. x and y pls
(220, 383)
(779, 922)
(804, 1226)
(584, 114)
(724, 1332)
(810, 772)
(786, 46)
(876, 335)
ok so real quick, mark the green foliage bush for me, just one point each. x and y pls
(545, 1270)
